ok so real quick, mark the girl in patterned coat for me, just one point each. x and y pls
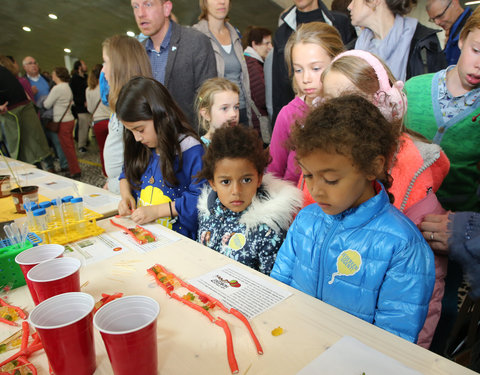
(243, 213)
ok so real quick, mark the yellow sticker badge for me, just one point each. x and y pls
(348, 264)
(237, 241)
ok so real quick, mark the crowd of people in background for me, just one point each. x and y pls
(356, 114)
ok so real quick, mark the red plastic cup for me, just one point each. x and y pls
(55, 276)
(64, 323)
(29, 258)
(129, 330)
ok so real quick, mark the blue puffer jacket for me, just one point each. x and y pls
(370, 261)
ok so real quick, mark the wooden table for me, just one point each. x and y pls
(28, 174)
(189, 344)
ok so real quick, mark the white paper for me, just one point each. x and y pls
(56, 185)
(95, 200)
(32, 174)
(93, 249)
(349, 356)
(162, 238)
(240, 289)
(12, 164)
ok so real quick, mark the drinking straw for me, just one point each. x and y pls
(11, 171)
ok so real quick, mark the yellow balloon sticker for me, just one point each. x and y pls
(237, 241)
(348, 264)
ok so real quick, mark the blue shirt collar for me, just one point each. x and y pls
(165, 42)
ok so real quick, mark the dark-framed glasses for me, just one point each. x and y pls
(441, 14)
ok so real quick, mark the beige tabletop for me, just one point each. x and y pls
(189, 344)
(52, 186)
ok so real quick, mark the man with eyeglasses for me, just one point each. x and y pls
(40, 85)
(450, 16)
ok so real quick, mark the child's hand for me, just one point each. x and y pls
(145, 214)
(126, 206)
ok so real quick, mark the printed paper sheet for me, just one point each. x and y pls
(240, 289)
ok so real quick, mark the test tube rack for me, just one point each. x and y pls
(73, 230)
(10, 273)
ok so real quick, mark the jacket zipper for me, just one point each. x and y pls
(323, 249)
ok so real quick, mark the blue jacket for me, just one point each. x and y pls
(155, 190)
(370, 261)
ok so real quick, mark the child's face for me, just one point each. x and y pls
(309, 60)
(334, 182)
(468, 64)
(236, 182)
(225, 110)
(143, 131)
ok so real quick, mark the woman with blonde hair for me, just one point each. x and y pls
(307, 53)
(123, 58)
(227, 46)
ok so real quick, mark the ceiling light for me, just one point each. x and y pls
(132, 34)
(26, 28)
(473, 2)
(67, 50)
(52, 16)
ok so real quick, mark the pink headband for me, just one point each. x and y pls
(390, 100)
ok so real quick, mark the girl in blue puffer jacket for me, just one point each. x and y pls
(353, 249)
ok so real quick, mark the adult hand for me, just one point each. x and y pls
(3, 107)
(434, 229)
(34, 90)
(126, 205)
(145, 214)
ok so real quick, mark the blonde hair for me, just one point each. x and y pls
(204, 10)
(473, 22)
(206, 94)
(363, 76)
(128, 59)
(360, 73)
(318, 33)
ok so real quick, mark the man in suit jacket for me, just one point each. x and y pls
(181, 58)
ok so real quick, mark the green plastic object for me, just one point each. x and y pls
(10, 273)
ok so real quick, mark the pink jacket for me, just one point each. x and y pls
(283, 163)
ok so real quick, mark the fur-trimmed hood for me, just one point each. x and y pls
(275, 204)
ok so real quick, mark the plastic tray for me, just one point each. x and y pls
(10, 273)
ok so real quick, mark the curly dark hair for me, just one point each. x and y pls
(234, 142)
(350, 126)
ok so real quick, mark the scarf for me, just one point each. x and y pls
(249, 51)
(394, 48)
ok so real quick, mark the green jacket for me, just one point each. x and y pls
(459, 138)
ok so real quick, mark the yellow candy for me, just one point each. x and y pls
(277, 331)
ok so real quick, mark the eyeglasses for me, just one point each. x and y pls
(31, 63)
(441, 14)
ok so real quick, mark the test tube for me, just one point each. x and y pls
(40, 216)
(29, 208)
(54, 211)
(77, 208)
(67, 207)
(47, 207)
